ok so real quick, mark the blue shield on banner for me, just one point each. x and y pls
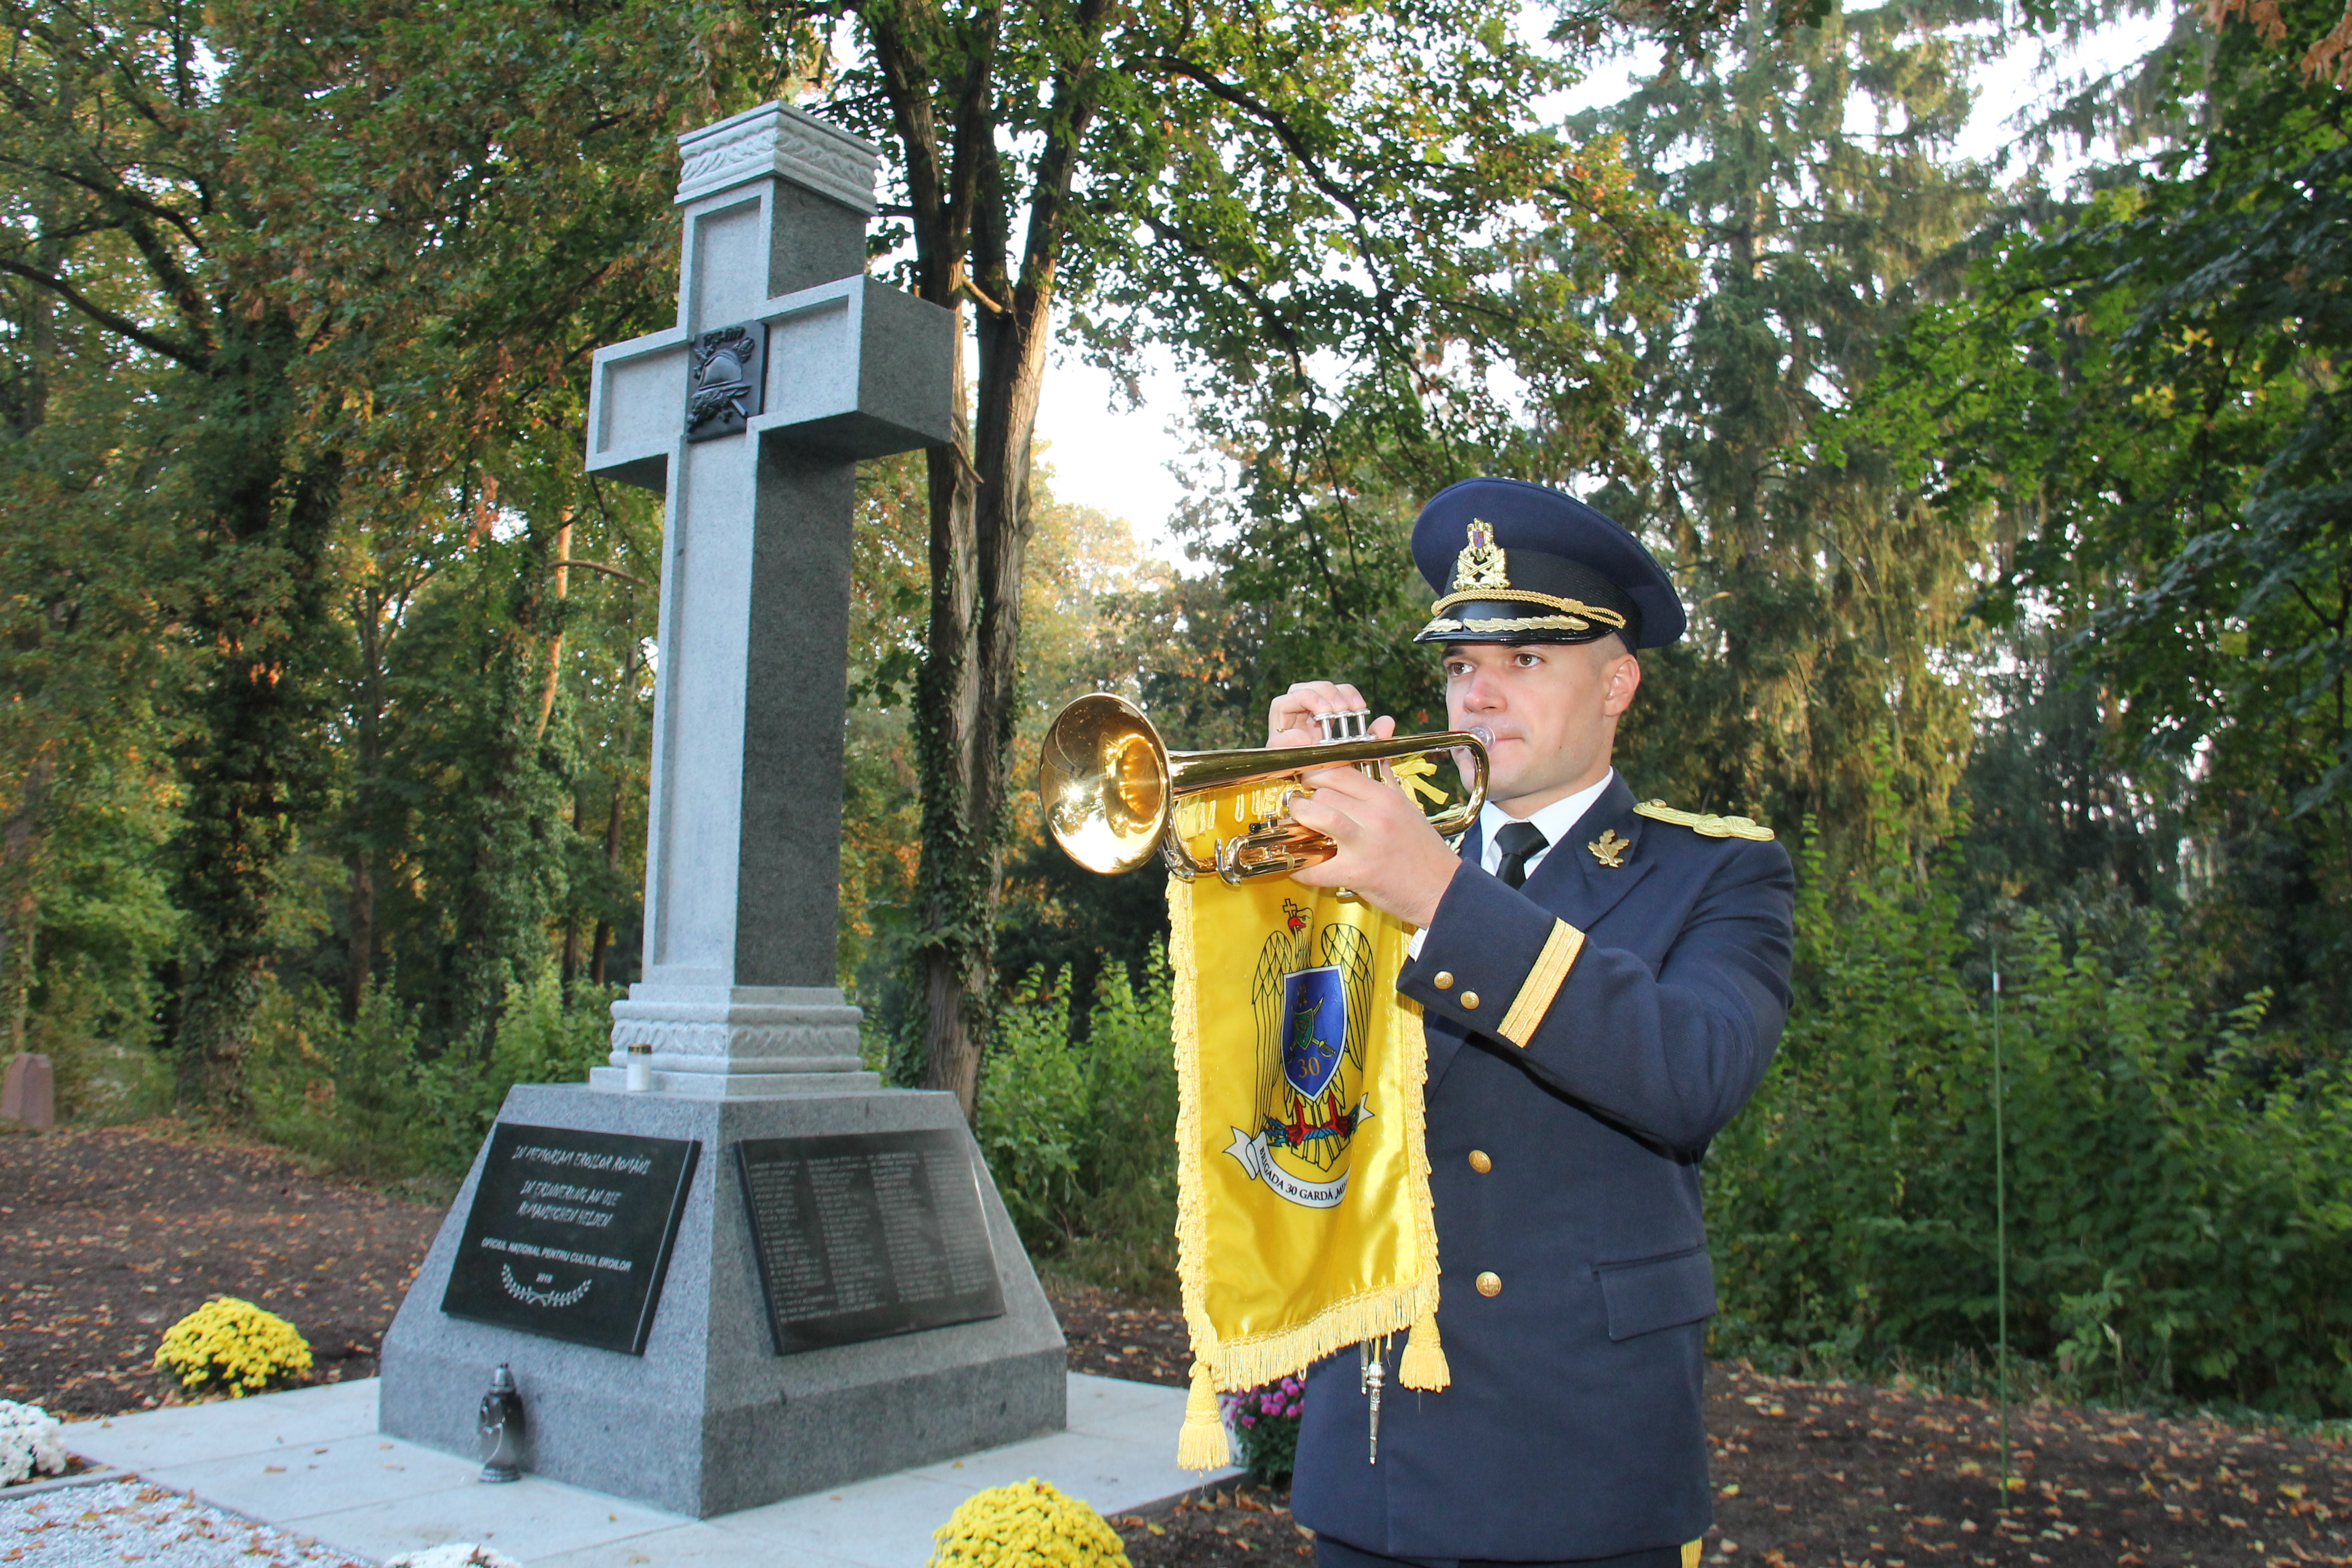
(1314, 1029)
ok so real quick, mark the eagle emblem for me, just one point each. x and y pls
(1313, 996)
(1480, 564)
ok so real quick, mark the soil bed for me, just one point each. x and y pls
(111, 1235)
(1823, 1474)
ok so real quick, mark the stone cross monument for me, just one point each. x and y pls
(733, 1267)
(787, 365)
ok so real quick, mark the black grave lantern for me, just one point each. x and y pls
(501, 1427)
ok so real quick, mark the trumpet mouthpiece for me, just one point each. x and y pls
(1485, 736)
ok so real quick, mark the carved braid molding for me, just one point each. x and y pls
(777, 139)
(696, 1063)
(781, 1039)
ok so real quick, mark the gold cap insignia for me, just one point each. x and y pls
(1480, 564)
(1610, 849)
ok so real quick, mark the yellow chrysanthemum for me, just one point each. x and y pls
(233, 1345)
(1023, 1526)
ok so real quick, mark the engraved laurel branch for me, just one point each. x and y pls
(522, 1293)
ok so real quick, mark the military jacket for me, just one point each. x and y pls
(1588, 1034)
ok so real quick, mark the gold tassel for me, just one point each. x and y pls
(1422, 1365)
(1201, 1445)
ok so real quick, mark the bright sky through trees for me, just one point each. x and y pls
(1119, 461)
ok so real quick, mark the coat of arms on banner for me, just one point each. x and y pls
(1312, 998)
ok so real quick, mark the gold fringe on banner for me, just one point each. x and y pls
(1422, 1365)
(1281, 1344)
(1201, 1445)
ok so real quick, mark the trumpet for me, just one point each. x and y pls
(1113, 790)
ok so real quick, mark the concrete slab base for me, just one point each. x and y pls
(311, 1461)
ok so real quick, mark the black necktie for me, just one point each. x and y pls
(1519, 842)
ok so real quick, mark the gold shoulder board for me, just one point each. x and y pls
(1705, 822)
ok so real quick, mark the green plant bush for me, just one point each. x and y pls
(1080, 1136)
(2178, 1217)
(365, 1097)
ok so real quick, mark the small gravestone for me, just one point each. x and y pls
(28, 1091)
(765, 1274)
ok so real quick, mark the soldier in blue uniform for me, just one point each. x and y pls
(1602, 983)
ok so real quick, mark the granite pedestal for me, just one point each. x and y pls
(710, 1419)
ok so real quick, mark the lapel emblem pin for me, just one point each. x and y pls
(1610, 849)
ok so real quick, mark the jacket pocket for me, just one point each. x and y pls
(1652, 1293)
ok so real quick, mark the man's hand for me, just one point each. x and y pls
(1388, 852)
(1290, 720)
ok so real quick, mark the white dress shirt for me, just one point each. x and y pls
(1554, 822)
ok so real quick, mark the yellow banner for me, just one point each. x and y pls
(1303, 1221)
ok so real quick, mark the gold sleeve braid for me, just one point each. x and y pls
(1542, 983)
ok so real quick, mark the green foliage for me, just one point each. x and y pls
(276, 325)
(1079, 1135)
(100, 1042)
(2145, 393)
(2178, 1221)
(365, 1097)
(1814, 166)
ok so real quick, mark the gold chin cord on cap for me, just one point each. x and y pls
(1110, 788)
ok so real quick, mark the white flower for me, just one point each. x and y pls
(456, 1555)
(31, 1440)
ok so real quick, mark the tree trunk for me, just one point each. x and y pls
(571, 966)
(359, 819)
(555, 644)
(263, 609)
(613, 819)
(965, 694)
(358, 962)
(503, 900)
(953, 876)
(603, 938)
(20, 904)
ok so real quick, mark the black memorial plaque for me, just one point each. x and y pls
(570, 1234)
(861, 1236)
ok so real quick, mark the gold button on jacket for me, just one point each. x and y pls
(1480, 1162)
(1470, 999)
(1490, 1283)
(1442, 979)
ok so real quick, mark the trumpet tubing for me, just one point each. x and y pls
(1113, 793)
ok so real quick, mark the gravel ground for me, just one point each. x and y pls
(111, 1523)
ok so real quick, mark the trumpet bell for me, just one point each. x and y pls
(1114, 793)
(1103, 778)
